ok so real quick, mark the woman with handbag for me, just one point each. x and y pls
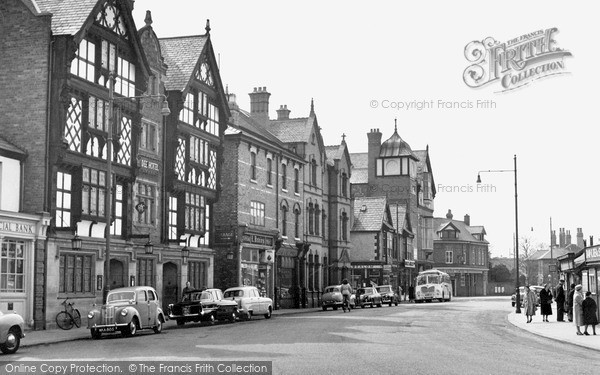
(545, 302)
(529, 303)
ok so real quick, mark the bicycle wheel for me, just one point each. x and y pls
(64, 320)
(76, 318)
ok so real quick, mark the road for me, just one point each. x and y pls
(465, 336)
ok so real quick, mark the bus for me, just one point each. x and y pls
(433, 284)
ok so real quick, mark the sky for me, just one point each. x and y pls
(364, 64)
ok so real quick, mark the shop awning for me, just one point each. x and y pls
(287, 250)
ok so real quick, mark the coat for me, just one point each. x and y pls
(589, 311)
(530, 302)
(578, 308)
(559, 295)
(545, 302)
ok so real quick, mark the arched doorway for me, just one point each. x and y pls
(170, 285)
(117, 274)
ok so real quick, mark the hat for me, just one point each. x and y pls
(578, 287)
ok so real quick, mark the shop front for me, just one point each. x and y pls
(286, 280)
(256, 262)
(371, 274)
(590, 272)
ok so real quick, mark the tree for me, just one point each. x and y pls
(528, 266)
(500, 273)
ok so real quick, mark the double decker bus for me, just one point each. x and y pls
(433, 284)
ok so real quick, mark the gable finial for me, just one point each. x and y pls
(312, 107)
(343, 137)
(395, 125)
(148, 19)
(207, 28)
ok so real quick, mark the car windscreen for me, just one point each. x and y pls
(206, 296)
(234, 293)
(332, 290)
(384, 289)
(120, 296)
(366, 291)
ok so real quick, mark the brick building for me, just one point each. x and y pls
(392, 169)
(461, 250)
(72, 67)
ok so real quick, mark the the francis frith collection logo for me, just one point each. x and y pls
(514, 63)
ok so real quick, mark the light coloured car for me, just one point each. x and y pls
(127, 310)
(368, 296)
(388, 296)
(332, 297)
(535, 288)
(11, 332)
(249, 301)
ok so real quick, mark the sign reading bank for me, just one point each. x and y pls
(515, 63)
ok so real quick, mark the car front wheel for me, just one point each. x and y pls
(268, 314)
(159, 325)
(13, 341)
(131, 328)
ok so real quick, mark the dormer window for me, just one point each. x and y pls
(448, 233)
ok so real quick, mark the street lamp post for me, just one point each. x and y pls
(518, 294)
(109, 155)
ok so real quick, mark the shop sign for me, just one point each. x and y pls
(148, 166)
(409, 263)
(374, 273)
(367, 266)
(256, 239)
(224, 236)
(592, 252)
(9, 226)
(387, 268)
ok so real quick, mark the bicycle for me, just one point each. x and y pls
(69, 316)
(346, 302)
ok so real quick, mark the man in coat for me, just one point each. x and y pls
(570, 302)
(559, 297)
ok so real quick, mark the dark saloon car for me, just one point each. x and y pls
(388, 296)
(368, 296)
(127, 310)
(203, 306)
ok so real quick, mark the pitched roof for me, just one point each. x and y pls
(181, 55)
(68, 16)
(398, 212)
(292, 130)
(395, 146)
(422, 162)
(10, 150)
(360, 160)
(369, 213)
(242, 121)
(465, 233)
(359, 176)
(334, 152)
(556, 252)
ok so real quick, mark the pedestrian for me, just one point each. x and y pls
(187, 289)
(589, 313)
(529, 302)
(559, 298)
(545, 302)
(346, 290)
(570, 302)
(578, 308)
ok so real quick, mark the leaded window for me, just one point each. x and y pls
(124, 152)
(173, 218)
(117, 225)
(125, 78)
(194, 212)
(93, 193)
(110, 17)
(187, 113)
(198, 150)
(204, 240)
(148, 137)
(204, 73)
(212, 170)
(72, 133)
(197, 275)
(146, 203)
(257, 213)
(83, 65)
(75, 273)
(180, 160)
(63, 200)
(12, 270)
(145, 274)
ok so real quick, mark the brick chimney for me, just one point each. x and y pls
(449, 214)
(591, 240)
(553, 239)
(259, 105)
(580, 243)
(568, 238)
(283, 113)
(467, 219)
(561, 237)
(374, 137)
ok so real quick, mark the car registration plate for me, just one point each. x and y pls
(107, 329)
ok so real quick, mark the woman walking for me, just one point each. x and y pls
(545, 302)
(578, 308)
(589, 313)
(529, 303)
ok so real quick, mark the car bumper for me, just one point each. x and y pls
(105, 328)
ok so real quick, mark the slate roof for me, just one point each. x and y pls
(422, 162)
(398, 212)
(242, 121)
(181, 56)
(465, 233)
(360, 160)
(8, 149)
(359, 176)
(292, 130)
(334, 152)
(556, 252)
(68, 16)
(371, 219)
(395, 146)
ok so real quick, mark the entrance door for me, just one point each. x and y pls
(117, 274)
(454, 287)
(170, 285)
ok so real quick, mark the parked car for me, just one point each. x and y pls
(127, 310)
(203, 305)
(368, 296)
(388, 295)
(535, 288)
(11, 332)
(332, 297)
(249, 301)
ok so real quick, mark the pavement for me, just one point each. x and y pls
(560, 331)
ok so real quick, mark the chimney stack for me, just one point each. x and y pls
(467, 219)
(283, 113)
(561, 238)
(591, 240)
(580, 242)
(374, 137)
(259, 105)
(449, 214)
(568, 238)
(553, 239)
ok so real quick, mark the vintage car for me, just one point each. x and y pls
(127, 310)
(249, 301)
(332, 297)
(203, 305)
(11, 332)
(535, 288)
(368, 296)
(388, 296)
